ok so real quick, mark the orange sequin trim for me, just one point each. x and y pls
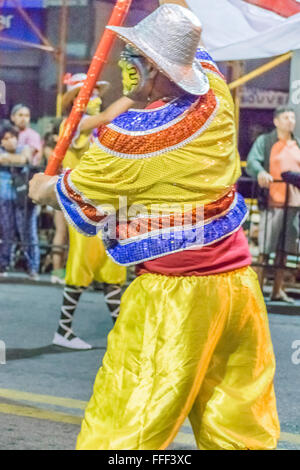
(167, 138)
(88, 210)
(213, 68)
(141, 226)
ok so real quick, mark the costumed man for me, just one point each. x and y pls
(87, 260)
(192, 338)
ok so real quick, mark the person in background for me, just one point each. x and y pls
(270, 156)
(20, 116)
(61, 227)
(15, 207)
(87, 260)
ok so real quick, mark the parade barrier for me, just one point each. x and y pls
(248, 187)
(260, 221)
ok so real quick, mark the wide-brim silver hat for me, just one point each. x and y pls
(169, 38)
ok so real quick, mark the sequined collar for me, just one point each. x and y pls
(144, 121)
(148, 133)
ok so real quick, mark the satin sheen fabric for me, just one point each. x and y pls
(88, 262)
(196, 347)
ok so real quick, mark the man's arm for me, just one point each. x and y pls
(109, 114)
(255, 163)
(256, 158)
(42, 187)
(15, 158)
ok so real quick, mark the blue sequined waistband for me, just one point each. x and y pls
(146, 249)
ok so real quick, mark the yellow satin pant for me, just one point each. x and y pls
(196, 347)
(88, 261)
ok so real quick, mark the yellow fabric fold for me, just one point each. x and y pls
(186, 346)
(88, 262)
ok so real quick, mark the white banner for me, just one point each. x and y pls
(238, 30)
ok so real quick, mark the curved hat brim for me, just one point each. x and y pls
(69, 96)
(191, 79)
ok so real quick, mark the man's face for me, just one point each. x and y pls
(9, 142)
(286, 122)
(21, 118)
(137, 72)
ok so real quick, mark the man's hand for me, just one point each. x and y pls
(264, 179)
(42, 190)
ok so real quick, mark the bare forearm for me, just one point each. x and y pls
(14, 159)
(114, 110)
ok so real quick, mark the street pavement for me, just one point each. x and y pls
(44, 388)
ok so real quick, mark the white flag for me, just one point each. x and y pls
(240, 29)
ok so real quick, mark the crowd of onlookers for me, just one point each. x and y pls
(22, 153)
(273, 157)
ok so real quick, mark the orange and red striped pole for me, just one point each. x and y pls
(117, 18)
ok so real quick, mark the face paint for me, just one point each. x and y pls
(136, 70)
(94, 106)
(130, 76)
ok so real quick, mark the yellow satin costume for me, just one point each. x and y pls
(87, 259)
(196, 347)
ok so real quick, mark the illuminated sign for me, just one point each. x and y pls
(13, 26)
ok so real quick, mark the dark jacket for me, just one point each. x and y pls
(291, 177)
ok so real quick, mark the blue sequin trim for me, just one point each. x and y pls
(162, 245)
(71, 212)
(202, 54)
(146, 120)
(136, 120)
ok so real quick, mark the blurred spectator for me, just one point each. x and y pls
(20, 116)
(271, 155)
(50, 141)
(61, 229)
(17, 213)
